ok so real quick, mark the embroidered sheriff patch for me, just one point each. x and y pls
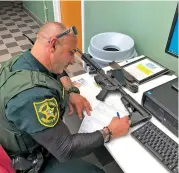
(47, 112)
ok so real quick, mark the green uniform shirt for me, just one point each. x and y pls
(30, 110)
(38, 111)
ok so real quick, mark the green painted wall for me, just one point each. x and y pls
(37, 8)
(148, 23)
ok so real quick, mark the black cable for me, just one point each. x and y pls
(29, 39)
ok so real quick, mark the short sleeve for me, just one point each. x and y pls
(64, 73)
(34, 110)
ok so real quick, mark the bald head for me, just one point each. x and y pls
(50, 29)
(54, 53)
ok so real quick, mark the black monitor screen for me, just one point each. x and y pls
(172, 44)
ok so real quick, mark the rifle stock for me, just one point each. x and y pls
(136, 105)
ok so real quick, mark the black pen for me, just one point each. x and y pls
(118, 115)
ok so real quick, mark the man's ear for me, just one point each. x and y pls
(53, 41)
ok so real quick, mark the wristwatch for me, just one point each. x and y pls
(73, 89)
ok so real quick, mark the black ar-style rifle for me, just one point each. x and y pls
(137, 113)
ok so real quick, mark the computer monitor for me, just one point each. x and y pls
(172, 43)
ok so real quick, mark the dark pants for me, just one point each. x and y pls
(52, 165)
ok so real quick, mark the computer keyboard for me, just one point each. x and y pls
(159, 144)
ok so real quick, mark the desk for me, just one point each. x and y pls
(130, 155)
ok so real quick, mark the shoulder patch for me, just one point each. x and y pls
(47, 112)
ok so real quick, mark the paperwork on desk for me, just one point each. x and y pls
(102, 112)
(88, 89)
(101, 116)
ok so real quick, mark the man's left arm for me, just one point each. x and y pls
(76, 100)
(66, 82)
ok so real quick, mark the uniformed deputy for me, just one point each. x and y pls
(33, 101)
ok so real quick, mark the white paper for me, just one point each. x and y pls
(88, 90)
(101, 116)
(143, 69)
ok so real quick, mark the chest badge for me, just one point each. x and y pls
(47, 112)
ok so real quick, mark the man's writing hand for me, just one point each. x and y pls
(79, 103)
(119, 127)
